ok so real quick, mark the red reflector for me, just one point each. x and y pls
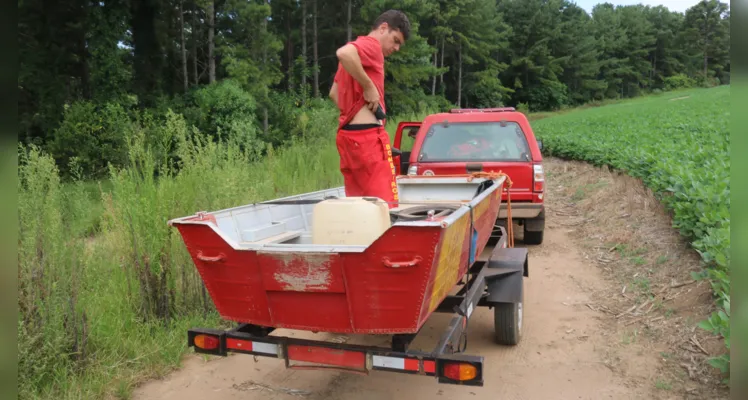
(411, 364)
(429, 367)
(460, 371)
(206, 342)
(238, 344)
(327, 356)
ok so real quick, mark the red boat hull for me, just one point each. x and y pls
(391, 287)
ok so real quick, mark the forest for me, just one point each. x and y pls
(251, 69)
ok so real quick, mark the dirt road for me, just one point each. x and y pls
(575, 344)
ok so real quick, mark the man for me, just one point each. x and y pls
(358, 90)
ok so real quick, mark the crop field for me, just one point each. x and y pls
(679, 145)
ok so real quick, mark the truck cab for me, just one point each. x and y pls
(471, 140)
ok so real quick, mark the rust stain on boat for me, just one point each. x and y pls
(302, 273)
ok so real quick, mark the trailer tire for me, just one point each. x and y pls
(507, 319)
(533, 237)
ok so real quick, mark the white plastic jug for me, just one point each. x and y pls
(349, 221)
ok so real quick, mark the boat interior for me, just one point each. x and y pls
(328, 217)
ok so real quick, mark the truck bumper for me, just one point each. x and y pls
(524, 211)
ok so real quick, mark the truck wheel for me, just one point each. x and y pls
(533, 237)
(507, 320)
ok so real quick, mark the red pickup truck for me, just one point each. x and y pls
(467, 140)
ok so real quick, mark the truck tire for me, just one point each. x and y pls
(507, 319)
(531, 237)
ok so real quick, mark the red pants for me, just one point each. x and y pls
(366, 164)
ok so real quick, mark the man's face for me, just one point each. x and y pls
(391, 39)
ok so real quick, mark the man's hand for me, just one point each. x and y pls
(371, 95)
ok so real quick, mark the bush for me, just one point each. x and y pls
(524, 108)
(680, 81)
(224, 111)
(93, 134)
(549, 95)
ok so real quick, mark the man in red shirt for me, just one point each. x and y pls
(358, 90)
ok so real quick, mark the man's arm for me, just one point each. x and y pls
(350, 60)
(334, 93)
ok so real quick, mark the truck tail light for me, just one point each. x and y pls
(413, 170)
(538, 178)
(460, 371)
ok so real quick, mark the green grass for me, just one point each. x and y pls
(107, 289)
(678, 143)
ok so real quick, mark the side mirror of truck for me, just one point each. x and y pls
(540, 145)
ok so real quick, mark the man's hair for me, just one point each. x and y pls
(395, 19)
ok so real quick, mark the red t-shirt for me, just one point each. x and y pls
(350, 92)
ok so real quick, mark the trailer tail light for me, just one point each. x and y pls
(460, 371)
(538, 178)
(207, 342)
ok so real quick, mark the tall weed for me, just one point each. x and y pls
(52, 327)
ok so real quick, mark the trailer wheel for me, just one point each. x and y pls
(507, 319)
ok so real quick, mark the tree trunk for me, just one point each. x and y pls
(706, 63)
(706, 42)
(183, 43)
(303, 46)
(441, 76)
(81, 20)
(265, 127)
(194, 43)
(211, 44)
(350, 31)
(289, 51)
(436, 65)
(85, 73)
(265, 118)
(459, 76)
(147, 53)
(316, 54)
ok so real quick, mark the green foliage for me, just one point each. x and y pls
(94, 135)
(680, 81)
(679, 145)
(52, 325)
(251, 54)
(223, 110)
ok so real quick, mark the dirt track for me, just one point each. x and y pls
(575, 344)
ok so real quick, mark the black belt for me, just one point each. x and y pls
(360, 127)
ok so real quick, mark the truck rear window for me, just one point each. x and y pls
(475, 141)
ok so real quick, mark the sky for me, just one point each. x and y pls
(672, 5)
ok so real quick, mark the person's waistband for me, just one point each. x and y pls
(360, 127)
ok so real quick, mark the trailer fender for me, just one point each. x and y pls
(504, 277)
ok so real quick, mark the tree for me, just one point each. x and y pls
(251, 54)
(706, 29)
